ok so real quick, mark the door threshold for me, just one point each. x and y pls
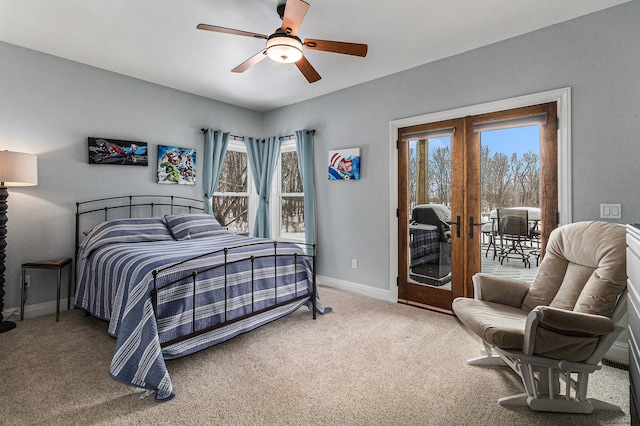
(424, 306)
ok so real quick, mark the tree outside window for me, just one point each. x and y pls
(231, 198)
(232, 202)
(291, 198)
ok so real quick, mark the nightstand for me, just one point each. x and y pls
(56, 264)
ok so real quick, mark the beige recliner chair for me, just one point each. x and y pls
(559, 327)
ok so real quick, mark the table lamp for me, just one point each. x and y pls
(16, 169)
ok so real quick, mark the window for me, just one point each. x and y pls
(235, 200)
(289, 218)
(231, 197)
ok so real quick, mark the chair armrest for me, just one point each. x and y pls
(574, 323)
(501, 290)
(561, 321)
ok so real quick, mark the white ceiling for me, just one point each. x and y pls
(157, 40)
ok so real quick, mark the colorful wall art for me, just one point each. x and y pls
(344, 164)
(113, 151)
(176, 165)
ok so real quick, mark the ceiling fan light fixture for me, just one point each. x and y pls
(284, 49)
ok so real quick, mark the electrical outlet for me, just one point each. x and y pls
(27, 281)
(354, 263)
(610, 211)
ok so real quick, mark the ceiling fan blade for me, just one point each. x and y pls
(294, 12)
(355, 49)
(251, 61)
(217, 29)
(307, 70)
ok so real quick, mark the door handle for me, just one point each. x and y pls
(457, 224)
(471, 225)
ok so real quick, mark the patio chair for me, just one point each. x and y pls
(561, 326)
(489, 230)
(534, 233)
(514, 233)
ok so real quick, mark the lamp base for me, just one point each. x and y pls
(6, 326)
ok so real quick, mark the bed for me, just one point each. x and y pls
(171, 281)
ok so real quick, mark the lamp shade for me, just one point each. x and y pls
(18, 169)
(285, 49)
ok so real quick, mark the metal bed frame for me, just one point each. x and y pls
(130, 203)
(135, 206)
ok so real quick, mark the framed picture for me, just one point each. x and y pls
(114, 151)
(176, 165)
(344, 164)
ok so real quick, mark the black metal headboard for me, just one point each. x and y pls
(103, 209)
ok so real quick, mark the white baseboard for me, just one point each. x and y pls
(365, 290)
(34, 310)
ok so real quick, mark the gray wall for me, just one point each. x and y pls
(49, 106)
(598, 56)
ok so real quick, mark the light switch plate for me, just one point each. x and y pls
(610, 211)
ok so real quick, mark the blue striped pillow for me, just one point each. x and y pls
(188, 226)
(130, 230)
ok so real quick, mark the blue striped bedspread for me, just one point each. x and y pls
(115, 283)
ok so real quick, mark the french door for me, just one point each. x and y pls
(441, 200)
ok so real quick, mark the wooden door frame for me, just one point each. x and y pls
(562, 98)
(440, 299)
(548, 177)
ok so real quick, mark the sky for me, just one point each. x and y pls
(518, 139)
(508, 141)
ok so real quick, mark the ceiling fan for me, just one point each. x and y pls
(284, 46)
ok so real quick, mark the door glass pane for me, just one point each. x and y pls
(510, 191)
(429, 210)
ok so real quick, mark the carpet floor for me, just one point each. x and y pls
(368, 362)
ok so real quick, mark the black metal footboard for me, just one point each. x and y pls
(300, 294)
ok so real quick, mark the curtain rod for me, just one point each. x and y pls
(240, 138)
(313, 132)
